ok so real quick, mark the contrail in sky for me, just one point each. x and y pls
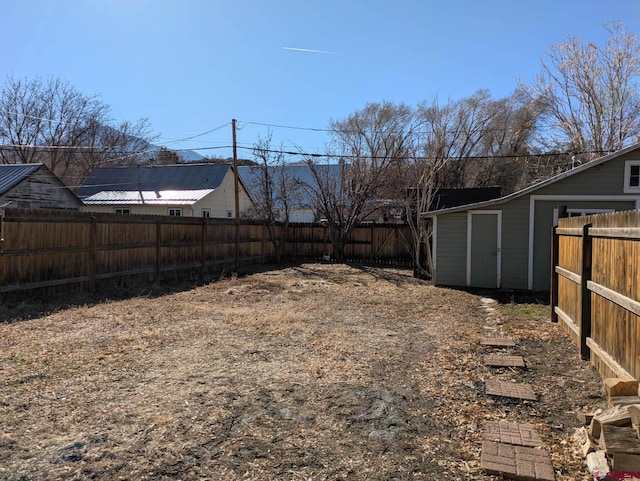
(310, 50)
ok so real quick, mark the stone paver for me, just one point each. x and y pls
(497, 341)
(498, 360)
(510, 389)
(511, 433)
(516, 462)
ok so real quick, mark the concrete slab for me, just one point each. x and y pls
(498, 360)
(497, 341)
(511, 433)
(510, 390)
(516, 462)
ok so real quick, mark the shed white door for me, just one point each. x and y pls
(483, 248)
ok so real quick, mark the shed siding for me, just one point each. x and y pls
(606, 179)
(41, 190)
(542, 233)
(515, 242)
(451, 267)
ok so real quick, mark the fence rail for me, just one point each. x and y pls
(43, 249)
(595, 288)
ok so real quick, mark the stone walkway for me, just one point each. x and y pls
(510, 449)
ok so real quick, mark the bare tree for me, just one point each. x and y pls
(367, 143)
(274, 191)
(589, 93)
(50, 121)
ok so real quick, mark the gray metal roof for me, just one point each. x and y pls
(145, 197)
(154, 179)
(303, 181)
(13, 174)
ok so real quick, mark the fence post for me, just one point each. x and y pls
(555, 257)
(158, 250)
(585, 294)
(93, 254)
(203, 245)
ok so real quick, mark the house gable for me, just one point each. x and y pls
(193, 190)
(528, 217)
(33, 186)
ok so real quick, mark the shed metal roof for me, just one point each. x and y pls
(13, 174)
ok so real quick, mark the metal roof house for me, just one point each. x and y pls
(302, 198)
(34, 186)
(192, 190)
(506, 242)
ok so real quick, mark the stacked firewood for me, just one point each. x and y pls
(610, 439)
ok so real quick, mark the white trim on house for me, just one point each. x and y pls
(498, 214)
(565, 198)
(628, 188)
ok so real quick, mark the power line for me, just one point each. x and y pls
(470, 157)
(198, 135)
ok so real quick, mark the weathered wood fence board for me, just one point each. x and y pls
(596, 288)
(55, 248)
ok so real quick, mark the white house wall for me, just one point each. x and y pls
(220, 202)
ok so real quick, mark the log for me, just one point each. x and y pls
(619, 439)
(581, 437)
(585, 417)
(617, 386)
(634, 413)
(597, 464)
(626, 462)
(615, 416)
(623, 400)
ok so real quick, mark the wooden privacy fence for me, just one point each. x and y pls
(43, 249)
(595, 288)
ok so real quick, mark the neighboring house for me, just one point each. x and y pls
(506, 242)
(300, 180)
(34, 186)
(191, 190)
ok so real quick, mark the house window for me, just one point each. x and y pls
(632, 176)
(229, 214)
(206, 213)
(579, 213)
(177, 212)
(122, 210)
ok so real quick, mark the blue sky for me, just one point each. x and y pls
(192, 65)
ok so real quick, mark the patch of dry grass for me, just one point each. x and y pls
(318, 372)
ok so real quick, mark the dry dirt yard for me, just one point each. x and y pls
(313, 372)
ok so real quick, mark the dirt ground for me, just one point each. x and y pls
(312, 372)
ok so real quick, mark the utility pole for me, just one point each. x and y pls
(236, 186)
